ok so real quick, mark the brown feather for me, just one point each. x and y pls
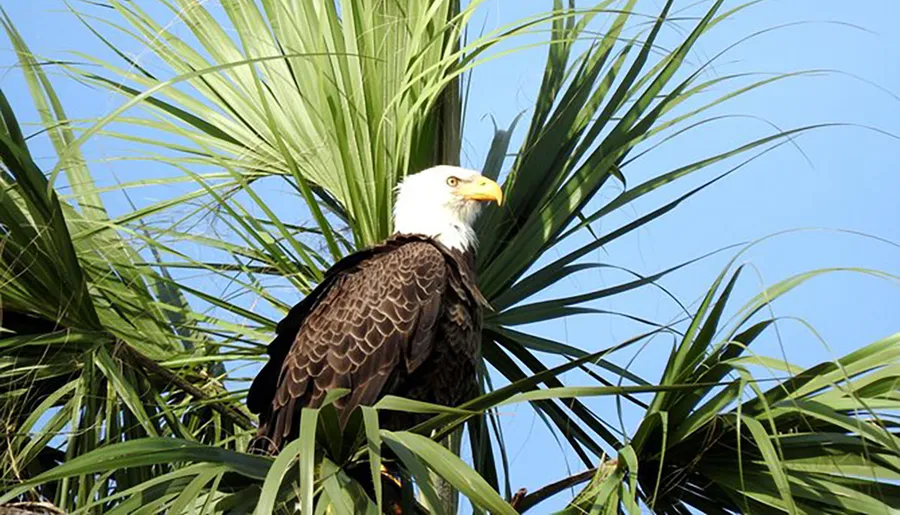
(401, 318)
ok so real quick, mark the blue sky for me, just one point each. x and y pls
(842, 177)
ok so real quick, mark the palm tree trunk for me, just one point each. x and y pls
(447, 495)
(447, 149)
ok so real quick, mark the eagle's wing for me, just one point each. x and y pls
(372, 318)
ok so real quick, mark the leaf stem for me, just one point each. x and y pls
(524, 503)
(239, 418)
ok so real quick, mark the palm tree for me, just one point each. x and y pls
(126, 339)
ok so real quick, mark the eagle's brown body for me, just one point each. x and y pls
(402, 318)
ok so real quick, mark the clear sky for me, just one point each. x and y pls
(838, 178)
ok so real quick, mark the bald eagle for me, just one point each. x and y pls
(400, 318)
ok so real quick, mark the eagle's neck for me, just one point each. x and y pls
(454, 237)
(451, 227)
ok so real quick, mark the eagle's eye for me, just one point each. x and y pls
(452, 181)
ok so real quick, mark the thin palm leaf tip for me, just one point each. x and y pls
(114, 351)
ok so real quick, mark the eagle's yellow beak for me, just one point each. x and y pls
(481, 188)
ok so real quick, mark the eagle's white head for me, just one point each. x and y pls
(443, 202)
